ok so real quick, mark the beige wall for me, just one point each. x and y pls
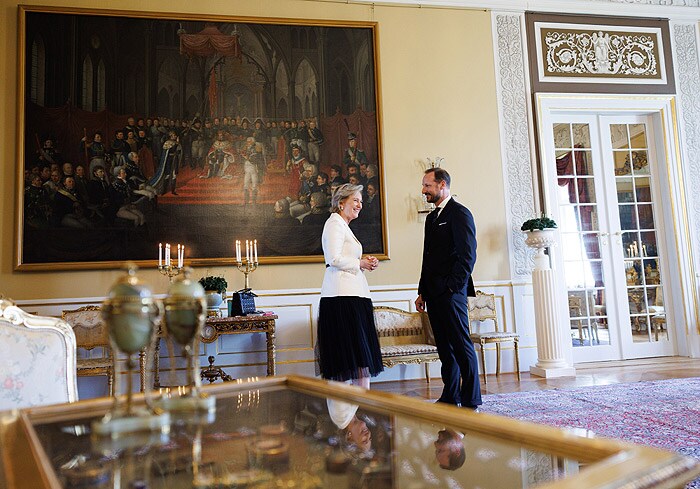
(438, 97)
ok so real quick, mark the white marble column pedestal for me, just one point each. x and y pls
(551, 360)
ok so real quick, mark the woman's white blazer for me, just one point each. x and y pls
(342, 252)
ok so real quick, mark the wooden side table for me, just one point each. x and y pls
(216, 326)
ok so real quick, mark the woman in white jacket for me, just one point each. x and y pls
(348, 347)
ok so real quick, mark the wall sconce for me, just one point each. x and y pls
(426, 207)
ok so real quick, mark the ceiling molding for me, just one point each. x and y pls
(672, 9)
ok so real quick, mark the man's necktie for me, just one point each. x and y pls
(433, 216)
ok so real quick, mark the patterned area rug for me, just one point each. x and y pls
(663, 414)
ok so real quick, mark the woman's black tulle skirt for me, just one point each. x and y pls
(347, 346)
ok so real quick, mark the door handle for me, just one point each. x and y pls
(603, 238)
(618, 237)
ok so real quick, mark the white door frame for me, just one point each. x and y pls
(671, 183)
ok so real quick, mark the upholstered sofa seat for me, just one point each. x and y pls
(405, 338)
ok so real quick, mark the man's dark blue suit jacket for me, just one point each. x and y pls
(449, 253)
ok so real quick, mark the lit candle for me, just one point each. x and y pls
(167, 253)
(160, 254)
(247, 251)
(179, 255)
(238, 251)
(182, 263)
(255, 250)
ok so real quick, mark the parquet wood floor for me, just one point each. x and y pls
(598, 373)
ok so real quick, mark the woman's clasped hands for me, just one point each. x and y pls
(369, 263)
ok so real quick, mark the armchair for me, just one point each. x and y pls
(38, 357)
(90, 333)
(483, 308)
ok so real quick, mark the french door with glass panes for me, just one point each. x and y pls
(605, 198)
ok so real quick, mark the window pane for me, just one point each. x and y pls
(584, 162)
(640, 163)
(586, 190)
(562, 136)
(648, 243)
(642, 187)
(589, 217)
(624, 189)
(618, 136)
(636, 300)
(582, 135)
(622, 162)
(595, 279)
(565, 164)
(652, 276)
(628, 217)
(632, 275)
(591, 245)
(638, 136)
(646, 216)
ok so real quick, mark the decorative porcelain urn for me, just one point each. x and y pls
(541, 238)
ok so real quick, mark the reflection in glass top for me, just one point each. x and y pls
(279, 438)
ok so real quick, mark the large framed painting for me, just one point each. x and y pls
(138, 128)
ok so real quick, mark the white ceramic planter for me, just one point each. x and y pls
(541, 238)
(214, 299)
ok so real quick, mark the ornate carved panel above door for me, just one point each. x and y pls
(595, 54)
(602, 55)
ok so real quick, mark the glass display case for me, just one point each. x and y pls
(297, 432)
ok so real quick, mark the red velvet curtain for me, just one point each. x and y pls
(208, 42)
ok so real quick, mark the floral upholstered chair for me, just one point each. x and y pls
(405, 338)
(38, 359)
(91, 333)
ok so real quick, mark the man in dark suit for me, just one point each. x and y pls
(449, 254)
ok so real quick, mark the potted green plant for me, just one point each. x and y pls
(215, 289)
(538, 223)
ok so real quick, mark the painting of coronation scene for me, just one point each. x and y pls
(140, 131)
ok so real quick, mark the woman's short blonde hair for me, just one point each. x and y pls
(342, 193)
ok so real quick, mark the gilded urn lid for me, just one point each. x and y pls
(184, 286)
(129, 285)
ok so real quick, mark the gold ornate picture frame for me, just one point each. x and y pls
(234, 154)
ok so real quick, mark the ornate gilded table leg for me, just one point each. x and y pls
(156, 360)
(270, 335)
(142, 370)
